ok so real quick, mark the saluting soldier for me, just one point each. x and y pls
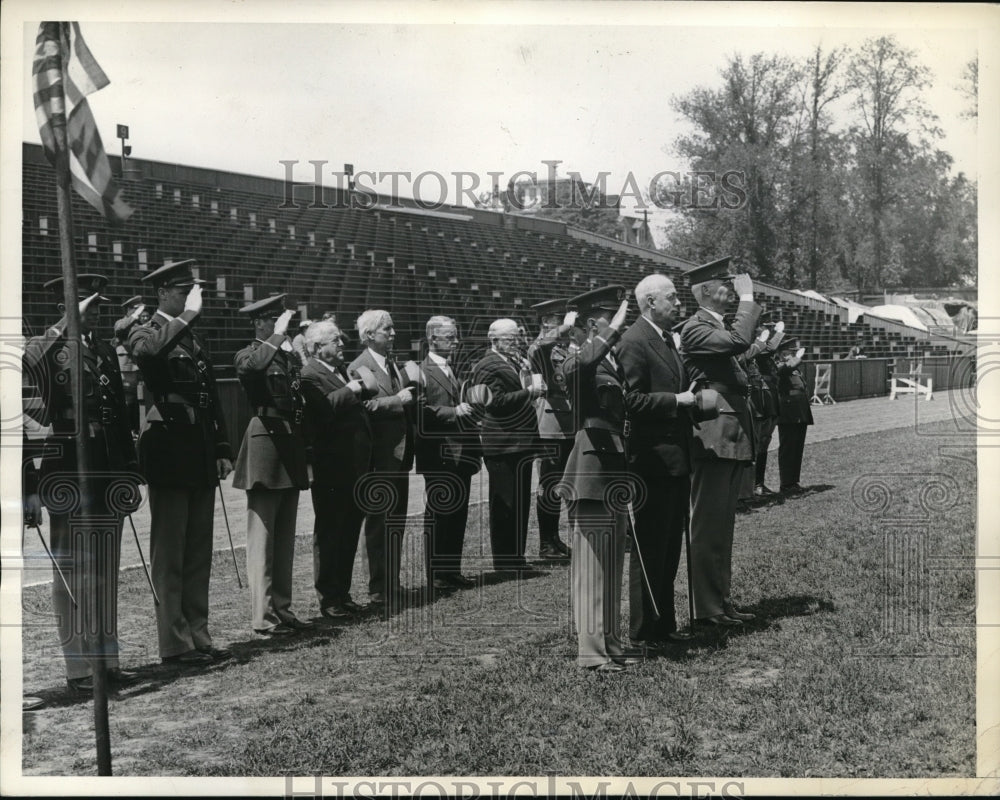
(596, 483)
(768, 369)
(184, 453)
(555, 422)
(794, 418)
(135, 314)
(271, 465)
(111, 462)
(721, 447)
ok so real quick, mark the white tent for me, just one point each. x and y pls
(898, 314)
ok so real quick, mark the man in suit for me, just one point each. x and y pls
(392, 456)
(596, 479)
(794, 418)
(555, 423)
(271, 465)
(340, 448)
(448, 454)
(184, 453)
(48, 362)
(721, 447)
(659, 452)
(509, 435)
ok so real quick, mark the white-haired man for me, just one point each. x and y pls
(658, 390)
(340, 444)
(721, 447)
(448, 454)
(510, 442)
(392, 456)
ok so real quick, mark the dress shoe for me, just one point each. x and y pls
(121, 677)
(82, 687)
(562, 547)
(679, 636)
(792, 489)
(192, 658)
(31, 703)
(350, 605)
(376, 599)
(299, 624)
(761, 490)
(281, 629)
(336, 611)
(627, 660)
(720, 621)
(742, 616)
(550, 552)
(443, 585)
(609, 666)
(461, 581)
(216, 653)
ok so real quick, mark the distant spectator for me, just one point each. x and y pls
(329, 316)
(857, 351)
(299, 342)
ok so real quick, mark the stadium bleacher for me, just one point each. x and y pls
(472, 264)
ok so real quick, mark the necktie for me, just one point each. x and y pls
(390, 365)
(668, 340)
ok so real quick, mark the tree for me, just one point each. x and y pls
(886, 83)
(746, 126)
(970, 88)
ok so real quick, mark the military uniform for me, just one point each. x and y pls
(112, 477)
(271, 467)
(183, 437)
(596, 485)
(129, 369)
(761, 411)
(768, 369)
(555, 427)
(721, 447)
(794, 417)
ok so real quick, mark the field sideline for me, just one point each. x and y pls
(862, 663)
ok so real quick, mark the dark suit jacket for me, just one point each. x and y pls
(597, 387)
(510, 424)
(444, 441)
(175, 367)
(709, 352)
(391, 422)
(338, 433)
(656, 375)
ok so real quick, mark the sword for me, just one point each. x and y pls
(55, 564)
(232, 549)
(687, 552)
(135, 533)
(642, 565)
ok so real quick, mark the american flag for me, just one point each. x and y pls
(64, 72)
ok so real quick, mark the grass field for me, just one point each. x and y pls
(861, 662)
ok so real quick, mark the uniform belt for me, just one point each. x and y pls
(200, 400)
(725, 388)
(271, 411)
(105, 415)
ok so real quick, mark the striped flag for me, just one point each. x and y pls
(64, 73)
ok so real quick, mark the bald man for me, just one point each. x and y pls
(510, 442)
(658, 391)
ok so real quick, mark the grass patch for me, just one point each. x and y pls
(849, 671)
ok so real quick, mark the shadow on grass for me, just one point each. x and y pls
(769, 612)
(150, 678)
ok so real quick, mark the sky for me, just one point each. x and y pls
(385, 94)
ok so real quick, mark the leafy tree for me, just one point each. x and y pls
(886, 82)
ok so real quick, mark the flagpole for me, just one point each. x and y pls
(73, 336)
